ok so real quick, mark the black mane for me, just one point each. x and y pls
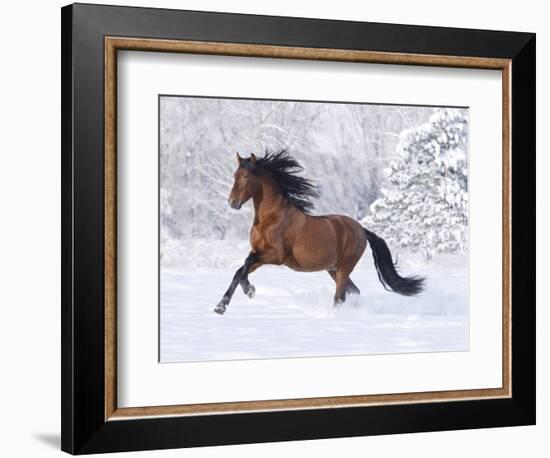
(283, 168)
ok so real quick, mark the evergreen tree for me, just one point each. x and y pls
(426, 208)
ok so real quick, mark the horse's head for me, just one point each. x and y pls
(246, 182)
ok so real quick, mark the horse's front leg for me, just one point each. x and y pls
(253, 261)
(248, 288)
(222, 305)
(258, 259)
(241, 275)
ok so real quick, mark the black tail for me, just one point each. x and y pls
(388, 276)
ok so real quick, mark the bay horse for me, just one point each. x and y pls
(284, 231)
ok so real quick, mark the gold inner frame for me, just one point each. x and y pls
(112, 45)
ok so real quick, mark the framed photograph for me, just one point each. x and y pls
(284, 228)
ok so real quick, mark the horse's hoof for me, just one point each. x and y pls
(251, 291)
(337, 303)
(220, 309)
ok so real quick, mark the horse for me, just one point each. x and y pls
(284, 232)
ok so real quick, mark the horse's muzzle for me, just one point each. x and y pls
(235, 204)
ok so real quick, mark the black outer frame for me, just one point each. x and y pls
(84, 429)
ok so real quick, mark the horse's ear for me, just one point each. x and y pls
(253, 158)
(239, 159)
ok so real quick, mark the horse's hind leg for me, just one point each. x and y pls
(342, 278)
(351, 287)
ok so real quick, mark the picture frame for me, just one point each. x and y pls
(92, 35)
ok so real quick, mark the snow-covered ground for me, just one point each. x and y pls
(292, 313)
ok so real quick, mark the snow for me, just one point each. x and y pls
(420, 204)
(292, 313)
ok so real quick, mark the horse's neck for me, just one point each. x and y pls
(267, 201)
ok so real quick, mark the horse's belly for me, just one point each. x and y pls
(309, 267)
(306, 267)
(312, 257)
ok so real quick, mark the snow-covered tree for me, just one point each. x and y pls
(426, 206)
